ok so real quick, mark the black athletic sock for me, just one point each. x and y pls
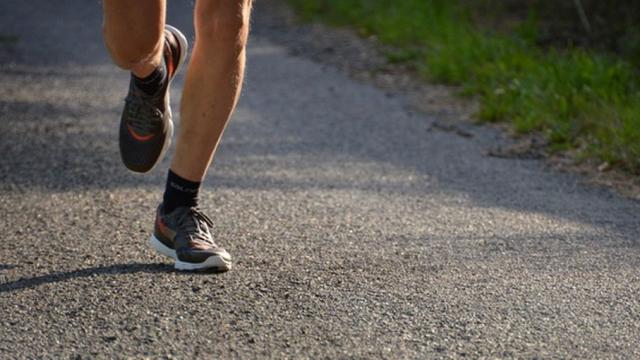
(179, 192)
(152, 83)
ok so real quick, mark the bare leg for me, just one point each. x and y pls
(133, 33)
(213, 83)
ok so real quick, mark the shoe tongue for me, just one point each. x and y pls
(191, 220)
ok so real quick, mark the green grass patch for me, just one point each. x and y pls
(578, 99)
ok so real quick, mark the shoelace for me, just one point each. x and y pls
(194, 222)
(142, 116)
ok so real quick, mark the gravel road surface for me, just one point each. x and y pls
(358, 229)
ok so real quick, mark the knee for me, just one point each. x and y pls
(222, 23)
(127, 50)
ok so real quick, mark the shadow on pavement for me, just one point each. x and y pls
(117, 269)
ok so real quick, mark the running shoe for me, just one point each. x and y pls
(185, 235)
(146, 127)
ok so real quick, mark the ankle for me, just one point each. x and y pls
(179, 192)
(153, 82)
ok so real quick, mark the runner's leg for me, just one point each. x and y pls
(213, 82)
(211, 90)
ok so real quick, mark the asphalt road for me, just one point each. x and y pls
(357, 230)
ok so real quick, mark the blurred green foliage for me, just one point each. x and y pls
(578, 97)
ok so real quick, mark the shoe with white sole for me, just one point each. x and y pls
(185, 235)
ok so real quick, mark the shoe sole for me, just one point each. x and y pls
(213, 263)
(184, 47)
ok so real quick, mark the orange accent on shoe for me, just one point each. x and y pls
(170, 67)
(139, 137)
(164, 229)
(161, 225)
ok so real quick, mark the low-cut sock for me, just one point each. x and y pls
(153, 82)
(179, 192)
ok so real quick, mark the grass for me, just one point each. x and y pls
(578, 99)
